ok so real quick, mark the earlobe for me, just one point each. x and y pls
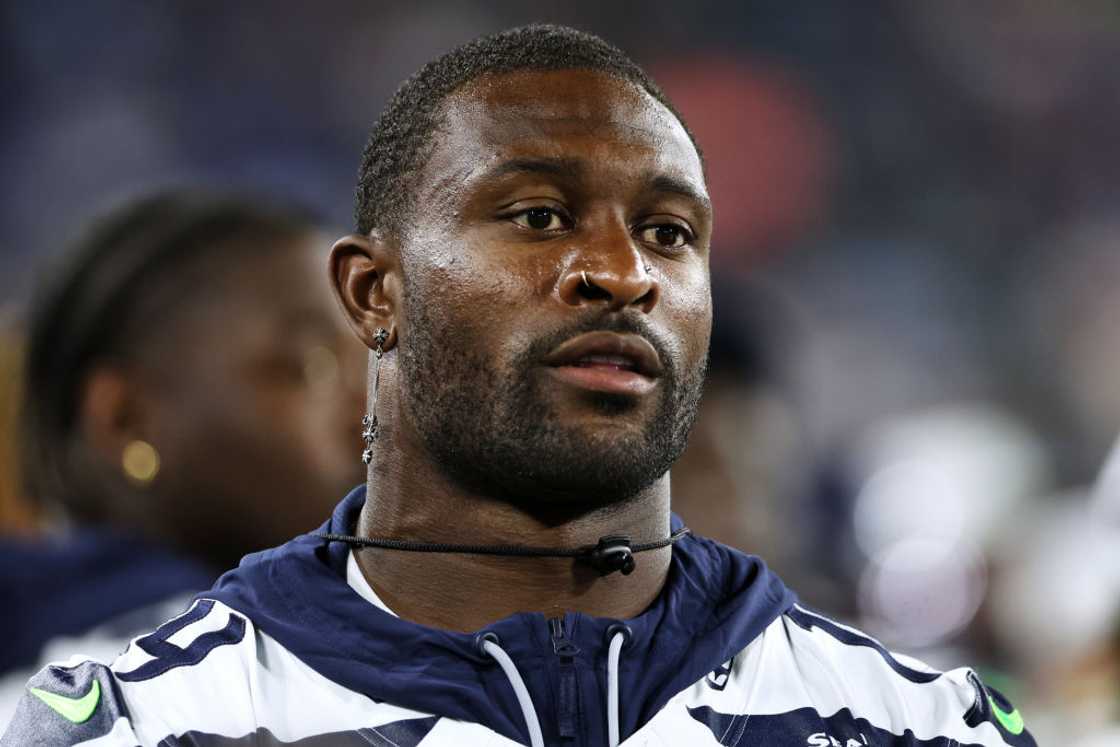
(109, 412)
(361, 272)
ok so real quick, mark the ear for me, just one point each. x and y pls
(365, 278)
(111, 412)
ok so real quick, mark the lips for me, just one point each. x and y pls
(607, 362)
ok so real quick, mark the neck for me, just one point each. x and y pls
(408, 498)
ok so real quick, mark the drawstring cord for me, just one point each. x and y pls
(612, 553)
(614, 653)
(488, 643)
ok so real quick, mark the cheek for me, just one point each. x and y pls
(252, 437)
(198, 428)
(227, 403)
(472, 297)
(686, 303)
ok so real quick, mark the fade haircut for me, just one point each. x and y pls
(401, 141)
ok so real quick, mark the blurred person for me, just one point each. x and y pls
(1055, 609)
(745, 450)
(1067, 287)
(748, 477)
(189, 392)
(530, 270)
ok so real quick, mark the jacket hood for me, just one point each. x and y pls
(715, 602)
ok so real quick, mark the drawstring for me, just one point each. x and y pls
(614, 653)
(489, 644)
(612, 553)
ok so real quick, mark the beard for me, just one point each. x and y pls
(490, 426)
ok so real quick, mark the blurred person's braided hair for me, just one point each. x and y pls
(107, 297)
(402, 138)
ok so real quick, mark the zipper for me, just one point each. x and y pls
(567, 707)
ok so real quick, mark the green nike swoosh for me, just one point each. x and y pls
(1013, 722)
(75, 710)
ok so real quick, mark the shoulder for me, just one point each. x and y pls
(69, 704)
(180, 664)
(842, 670)
(101, 644)
(813, 681)
(209, 671)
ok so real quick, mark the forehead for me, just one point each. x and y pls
(607, 122)
(227, 278)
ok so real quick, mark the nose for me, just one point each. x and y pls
(613, 272)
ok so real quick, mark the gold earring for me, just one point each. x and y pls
(140, 462)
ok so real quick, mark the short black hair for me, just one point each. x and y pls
(400, 142)
(94, 294)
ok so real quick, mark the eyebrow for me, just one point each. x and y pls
(566, 167)
(673, 185)
(573, 168)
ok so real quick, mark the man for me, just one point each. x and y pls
(170, 386)
(531, 273)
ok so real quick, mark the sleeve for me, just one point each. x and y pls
(989, 706)
(70, 705)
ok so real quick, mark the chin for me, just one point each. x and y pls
(608, 468)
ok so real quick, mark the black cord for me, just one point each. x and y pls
(612, 553)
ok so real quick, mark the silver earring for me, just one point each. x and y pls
(583, 276)
(369, 421)
(647, 268)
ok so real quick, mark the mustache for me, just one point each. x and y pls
(621, 323)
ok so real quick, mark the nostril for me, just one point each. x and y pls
(593, 292)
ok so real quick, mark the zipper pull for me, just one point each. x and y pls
(561, 646)
(567, 701)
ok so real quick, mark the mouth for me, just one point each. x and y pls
(607, 362)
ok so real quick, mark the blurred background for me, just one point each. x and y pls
(915, 379)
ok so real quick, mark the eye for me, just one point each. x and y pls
(540, 219)
(665, 235)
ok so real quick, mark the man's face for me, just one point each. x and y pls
(557, 310)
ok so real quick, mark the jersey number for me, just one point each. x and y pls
(168, 656)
